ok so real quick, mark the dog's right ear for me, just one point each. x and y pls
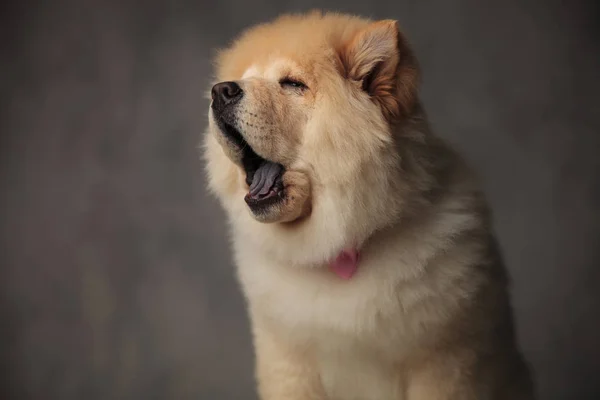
(380, 58)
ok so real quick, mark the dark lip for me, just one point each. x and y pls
(261, 205)
(230, 132)
(250, 160)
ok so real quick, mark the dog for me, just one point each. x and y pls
(363, 242)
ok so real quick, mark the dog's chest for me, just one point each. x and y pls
(352, 325)
(351, 372)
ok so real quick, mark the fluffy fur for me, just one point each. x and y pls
(427, 315)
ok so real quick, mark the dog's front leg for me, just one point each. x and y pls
(283, 371)
(442, 383)
(459, 375)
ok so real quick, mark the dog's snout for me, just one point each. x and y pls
(225, 93)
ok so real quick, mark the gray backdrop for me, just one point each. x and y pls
(116, 280)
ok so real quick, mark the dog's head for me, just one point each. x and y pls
(301, 122)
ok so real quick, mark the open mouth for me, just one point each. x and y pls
(263, 177)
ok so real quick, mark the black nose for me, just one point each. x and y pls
(225, 93)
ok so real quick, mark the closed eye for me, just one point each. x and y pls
(293, 84)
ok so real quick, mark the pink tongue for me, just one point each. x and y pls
(345, 264)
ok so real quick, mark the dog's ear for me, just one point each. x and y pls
(380, 58)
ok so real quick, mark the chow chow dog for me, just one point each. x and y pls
(362, 241)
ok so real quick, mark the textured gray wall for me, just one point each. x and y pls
(116, 281)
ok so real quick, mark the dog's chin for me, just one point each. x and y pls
(264, 178)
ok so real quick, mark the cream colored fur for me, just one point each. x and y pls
(427, 315)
